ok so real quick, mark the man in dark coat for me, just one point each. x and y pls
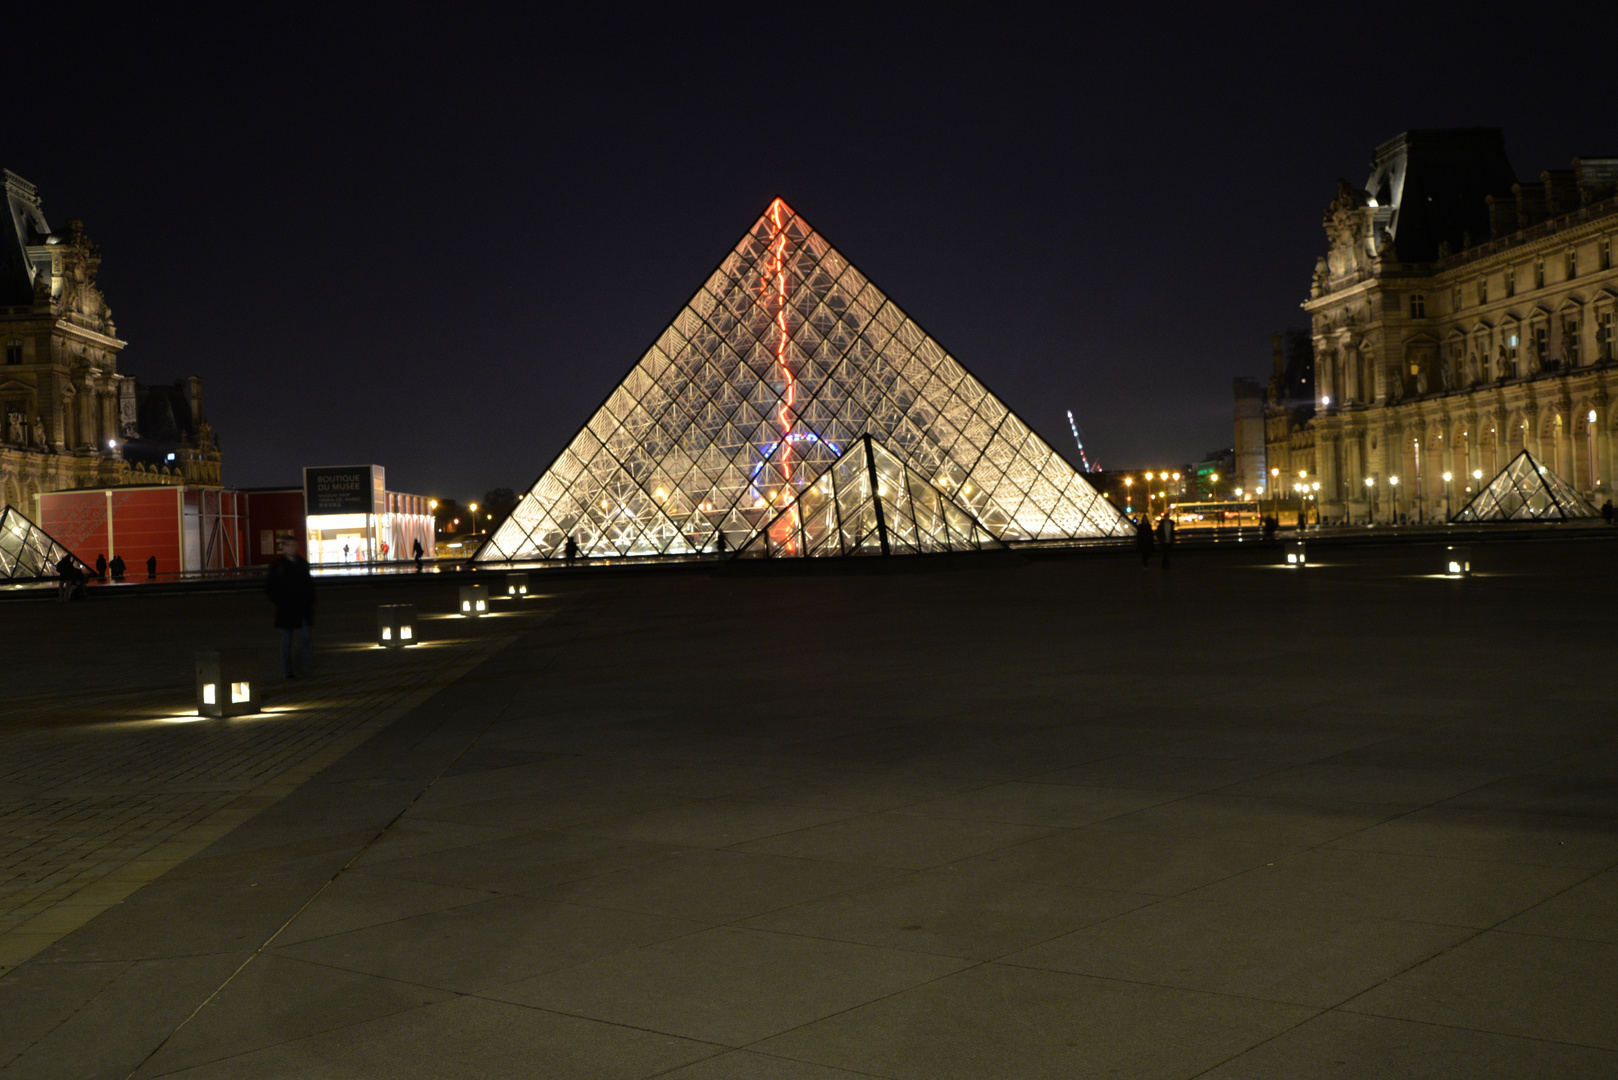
(117, 567)
(292, 590)
(416, 551)
(101, 567)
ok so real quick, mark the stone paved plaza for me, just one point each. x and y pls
(996, 818)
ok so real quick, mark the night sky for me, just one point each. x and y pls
(437, 244)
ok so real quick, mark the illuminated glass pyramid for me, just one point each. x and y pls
(27, 552)
(1525, 490)
(783, 362)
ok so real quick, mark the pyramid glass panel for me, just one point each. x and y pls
(784, 360)
(1525, 490)
(870, 502)
(28, 552)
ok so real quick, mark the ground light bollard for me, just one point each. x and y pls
(517, 585)
(396, 625)
(1457, 561)
(474, 600)
(227, 682)
(1295, 554)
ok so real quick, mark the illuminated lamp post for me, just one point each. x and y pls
(1477, 474)
(474, 508)
(1370, 501)
(227, 682)
(1447, 478)
(395, 625)
(1393, 482)
(474, 600)
(1129, 500)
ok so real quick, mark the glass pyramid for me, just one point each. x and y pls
(27, 552)
(785, 359)
(1525, 490)
(868, 503)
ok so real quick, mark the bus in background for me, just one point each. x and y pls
(1216, 515)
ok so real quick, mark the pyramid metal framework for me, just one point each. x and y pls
(868, 503)
(1525, 490)
(27, 552)
(783, 361)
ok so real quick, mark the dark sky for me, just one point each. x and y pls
(437, 244)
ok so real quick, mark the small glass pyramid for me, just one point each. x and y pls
(27, 552)
(868, 503)
(1525, 490)
(786, 359)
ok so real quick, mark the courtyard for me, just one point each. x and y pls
(997, 816)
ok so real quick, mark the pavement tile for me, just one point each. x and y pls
(467, 1038)
(546, 808)
(866, 792)
(992, 1022)
(1506, 836)
(276, 999)
(904, 841)
(1365, 783)
(1222, 816)
(1126, 860)
(411, 836)
(1588, 911)
(726, 985)
(38, 997)
(745, 1065)
(526, 864)
(1457, 892)
(1024, 803)
(716, 886)
(113, 1028)
(1158, 772)
(945, 911)
(1307, 958)
(712, 823)
(1344, 1046)
(356, 900)
(1512, 984)
(473, 946)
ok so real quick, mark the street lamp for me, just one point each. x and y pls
(1447, 478)
(1275, 492)
(1393, 482)
(1370, 501)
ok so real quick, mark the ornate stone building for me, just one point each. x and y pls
(68, 419)
(1458, 317)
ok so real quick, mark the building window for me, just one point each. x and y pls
(1511, 281)
(1511, 350)
(1604, 330)
(1539, 274)
(1572, 263)
(14, 351)
(1483, 290)
(1455, 299)
(1542, 343)
(1570, 342)
(1604, 255)
(1418, 306)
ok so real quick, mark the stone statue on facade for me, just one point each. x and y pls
(1421, 380)
(14, 434)
(38, 434)
(1446, 374)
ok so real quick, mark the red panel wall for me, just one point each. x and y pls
(147, 523)
(78, 521)
(269, 512)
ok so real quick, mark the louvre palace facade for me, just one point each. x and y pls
(68, 419)
(1459, 316)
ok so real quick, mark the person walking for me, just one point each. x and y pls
(1166, 527)
(570, 550)
(151, 568)
(415, 549)
(1606, 511)
(101, 567)
(68, 578)
(719, 543)
(117, 567)
(292, 590)
(1143, 539)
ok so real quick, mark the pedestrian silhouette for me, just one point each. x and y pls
(1166, 526)
(292, 590)
(1606, 511)
(1144, 541)
(570, 550)
(101, 567)
(416, 550)
(117, 567)
(719, 542)
(151, 568)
